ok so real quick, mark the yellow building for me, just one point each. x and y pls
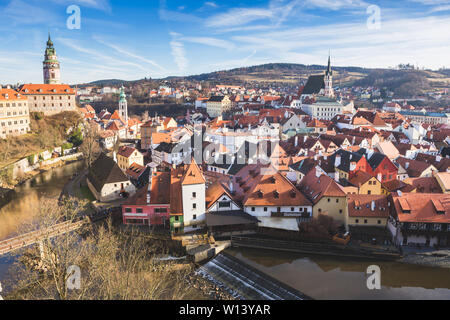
(365, 183)
(127, 156)
(14, 113)
(367, 210)
(217, 105)
(327, 196)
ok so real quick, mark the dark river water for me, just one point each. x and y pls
(316, 276)
(322, 277)
(26, 200)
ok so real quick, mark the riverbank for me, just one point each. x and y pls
(427, 257)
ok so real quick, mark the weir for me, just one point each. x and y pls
(246, 282)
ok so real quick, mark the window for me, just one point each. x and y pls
(337, 200)
(224, 204)
(161, 210)
(292, 209)
(365, 221)
(139, 210)
(194, 217)
(356, 220)
(265, 208)
(194, 206)
(379, 221)
(194, 194)
(128, 210)
(253, 208)
(340, 211)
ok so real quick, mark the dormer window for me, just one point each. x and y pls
(272, 180)
(276, 195)
(260, 194)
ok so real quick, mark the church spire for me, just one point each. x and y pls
(329, 71)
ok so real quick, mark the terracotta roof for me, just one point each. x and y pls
(126, 151)
(158, 192)
(317, 187)
(193, 174)
(422, 207)
(359, 178)
(425, 184)
(414, 168)
(258, 185)
(216, 190)
(11, 94)
(48, 89)
(135, 171)
(361, 205)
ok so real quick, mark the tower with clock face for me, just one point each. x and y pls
(51, 65)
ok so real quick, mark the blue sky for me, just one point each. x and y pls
(157, 38)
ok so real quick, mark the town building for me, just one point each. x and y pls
(420, 219)
(150, 206)
(217, 105)
(107, 181)
(49, 99)
(14, 113)
(127, 156)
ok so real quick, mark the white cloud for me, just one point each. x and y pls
(208, 41)
(127, 53)
(102, 5)
(178, 52)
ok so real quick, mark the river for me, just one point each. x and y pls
(322, 277)
(316, 276)
(23, 206)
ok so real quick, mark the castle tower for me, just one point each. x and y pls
(52, 73)
(123, 106)
(328, 79)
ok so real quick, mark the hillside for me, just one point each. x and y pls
(405, 83)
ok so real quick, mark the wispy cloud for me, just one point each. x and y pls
(178, 52)
(127, 53)
(208, 41)
(102, 5)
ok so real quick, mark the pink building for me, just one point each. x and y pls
(150, 205)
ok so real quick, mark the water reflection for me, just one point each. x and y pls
(341, 278)
(25, 202)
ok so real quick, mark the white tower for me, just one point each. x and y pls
(328, 79)
(123, 107)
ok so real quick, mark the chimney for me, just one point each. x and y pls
(231, 186)
(305, 138)
(296, 141)
(379, 177)
(407, 165)
(373, 205)
(438, 158)
(318, 172)
(352, 166)
(115, 157)
(337, 161)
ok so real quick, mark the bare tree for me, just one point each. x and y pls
(90, 146)
(114, 265)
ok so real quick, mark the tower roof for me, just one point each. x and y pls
(329, 71)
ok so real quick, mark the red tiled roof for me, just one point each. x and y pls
(38, 89)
